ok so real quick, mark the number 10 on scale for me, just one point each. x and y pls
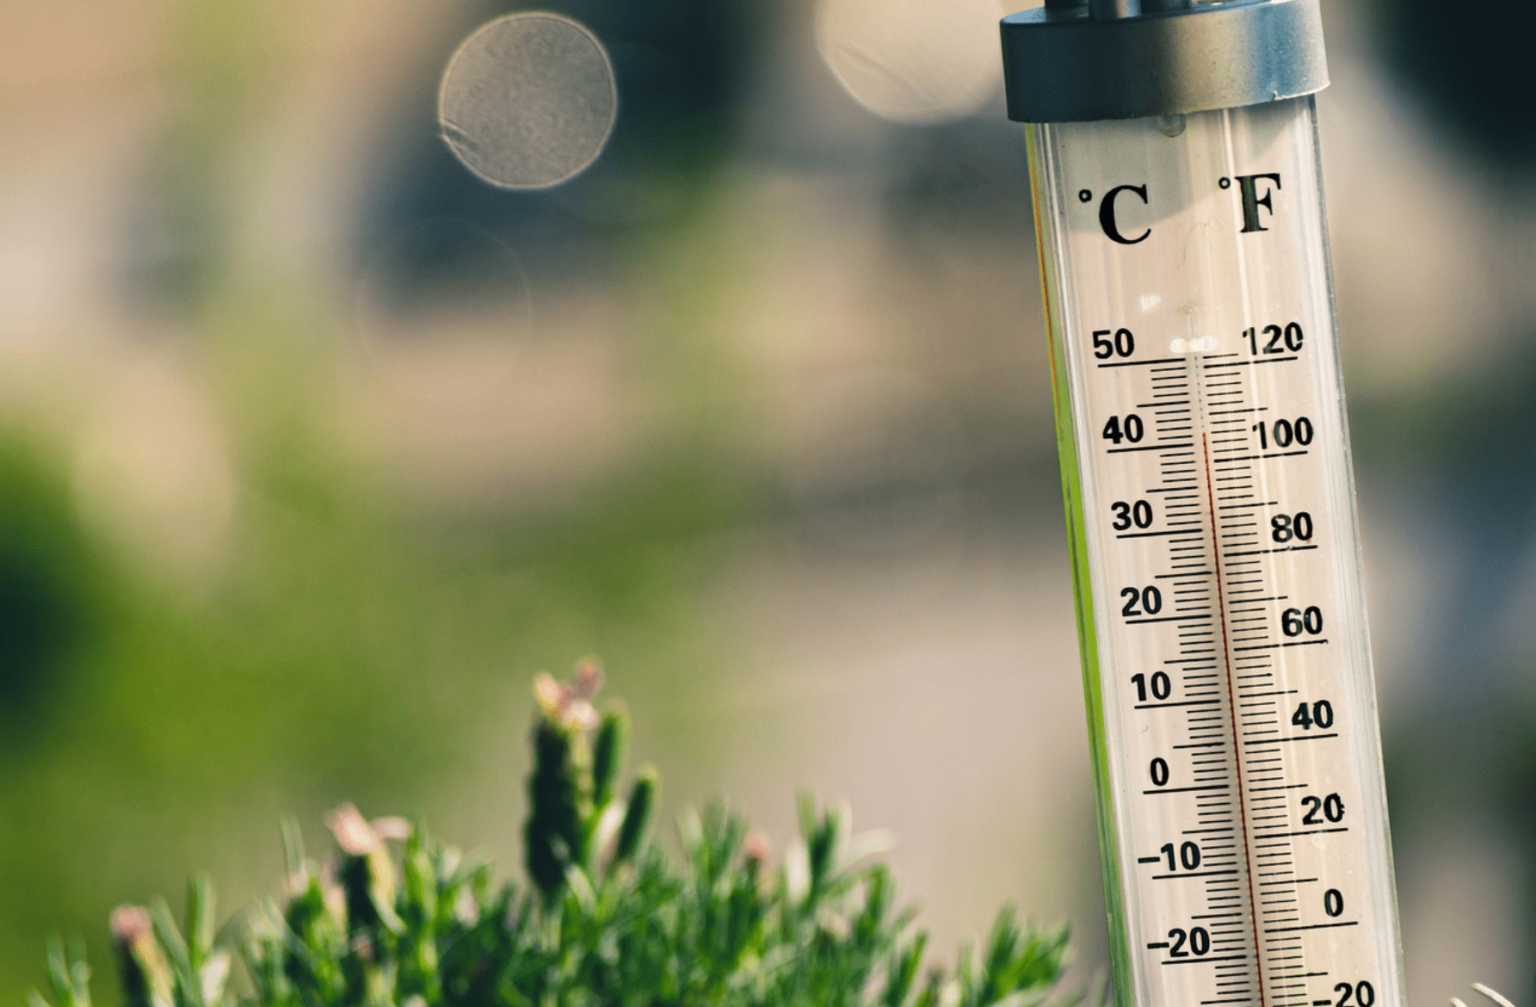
(1210, 501)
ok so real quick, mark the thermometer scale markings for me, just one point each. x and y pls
(1250, 719)
(1193, 586)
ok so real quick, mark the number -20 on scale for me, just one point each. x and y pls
(1209, 497)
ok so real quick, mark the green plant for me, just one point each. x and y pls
(607, 917)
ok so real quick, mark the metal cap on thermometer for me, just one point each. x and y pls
(1084, 60)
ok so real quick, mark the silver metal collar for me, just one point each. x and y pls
(1118, 59)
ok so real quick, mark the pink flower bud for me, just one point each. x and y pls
(130, 924)
(580, 715)
(392, 827)
(352, 831)
(588, 679)
(550, 694)
(757, 847)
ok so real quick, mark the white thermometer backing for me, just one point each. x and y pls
(1215, 544)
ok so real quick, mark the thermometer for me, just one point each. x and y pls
(1209, 498)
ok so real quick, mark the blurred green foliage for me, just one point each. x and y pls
(54, 593)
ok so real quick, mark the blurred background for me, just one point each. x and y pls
(314, 447)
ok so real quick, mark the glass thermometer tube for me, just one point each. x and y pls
(1211, 512)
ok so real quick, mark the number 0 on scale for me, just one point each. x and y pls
(1210, 502)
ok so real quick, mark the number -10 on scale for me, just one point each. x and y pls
(1210, 503)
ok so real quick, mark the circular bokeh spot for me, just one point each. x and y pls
(528, 101)
(912, 61)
